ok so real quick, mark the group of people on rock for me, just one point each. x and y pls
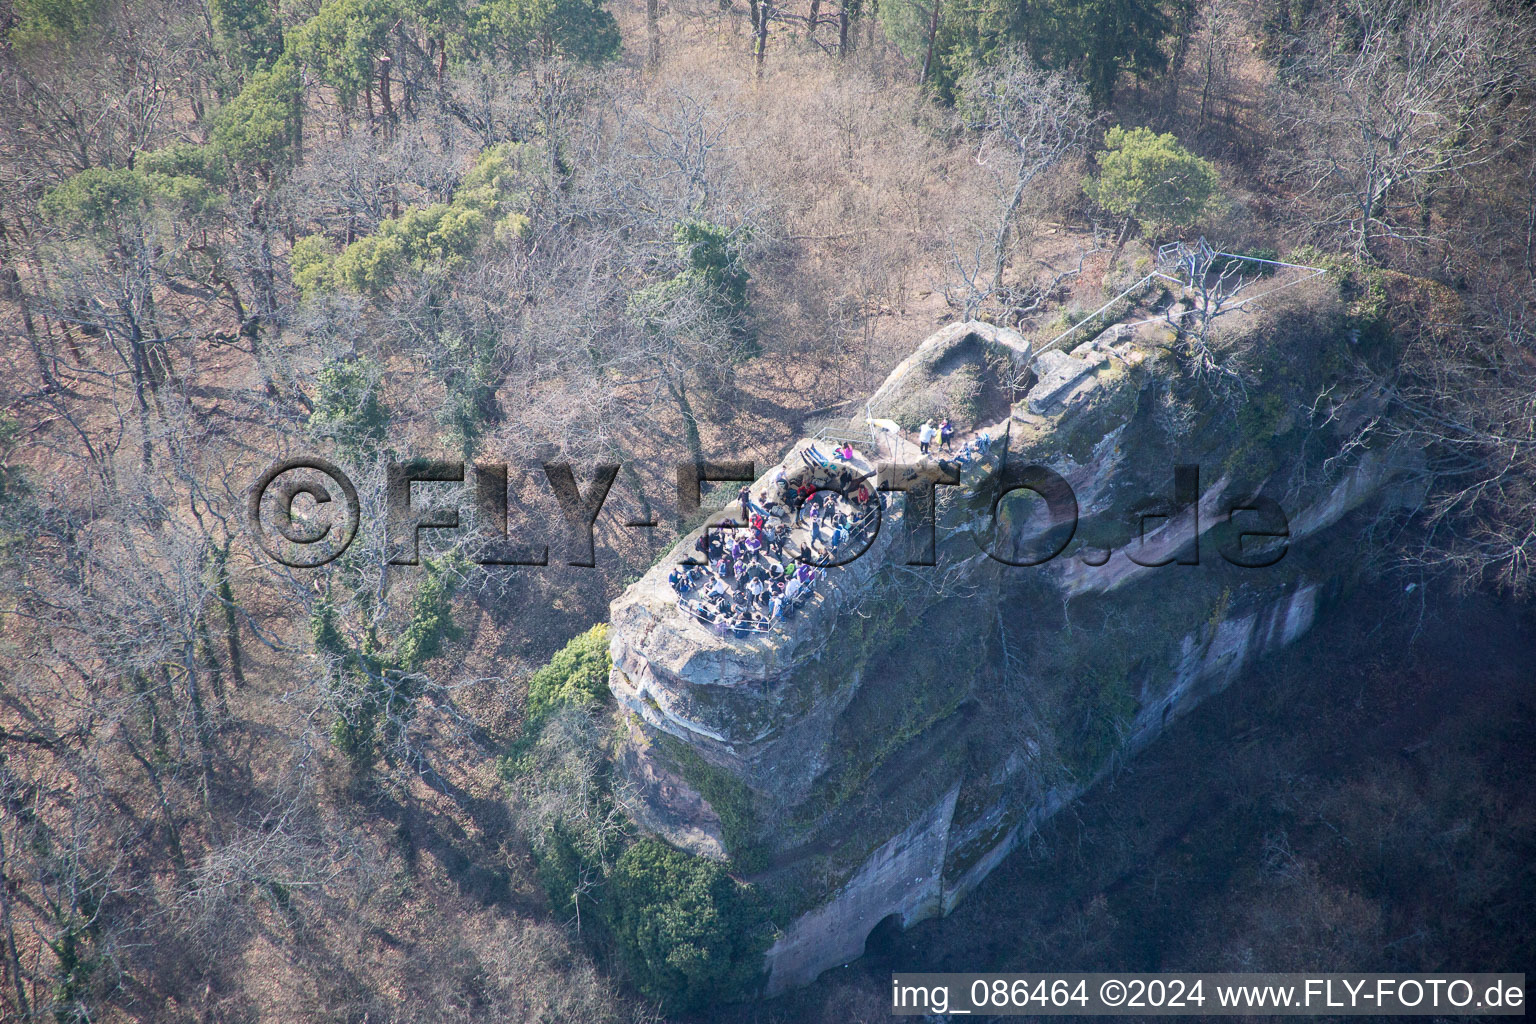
(943, 433)
(976, 448)
(755, 571)
(928, 432)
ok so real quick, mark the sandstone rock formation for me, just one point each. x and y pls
(880, 753)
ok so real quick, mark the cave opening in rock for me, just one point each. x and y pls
(884, 939)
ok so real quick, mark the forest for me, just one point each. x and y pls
(565, 233)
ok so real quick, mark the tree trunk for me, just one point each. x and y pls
(760, 34)
(210, 661)
(145, 692)
(384, 97)
(29, 251)
(653, 31)
(691, 438)
(1125, 234)
(11, 288)
(245, 325)
(1000, 251)
(933, 34)
(298, 129)
(8, 931)
(1368, 202)
(226, 595)
(143, 369)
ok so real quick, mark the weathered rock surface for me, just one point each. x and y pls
(883, 751)
(1059, 373)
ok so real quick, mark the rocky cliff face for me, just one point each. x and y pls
(879, 753)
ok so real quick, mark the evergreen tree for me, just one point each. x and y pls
(581, 30)
(260, 127)
(344, 40)
(38, 23)
(248, 33)
(686, 929)
(1098, 40)
(347, 408)
(1147, 177)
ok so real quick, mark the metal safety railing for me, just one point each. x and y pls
(872, 436)
(1213, 254)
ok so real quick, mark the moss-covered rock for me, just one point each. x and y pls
(881, 752)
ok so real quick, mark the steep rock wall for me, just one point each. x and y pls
(883, 751)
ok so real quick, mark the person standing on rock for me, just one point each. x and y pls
(946, 431)
(925, 436)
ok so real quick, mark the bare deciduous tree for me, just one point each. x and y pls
(1027, 122)
(1390, 122)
